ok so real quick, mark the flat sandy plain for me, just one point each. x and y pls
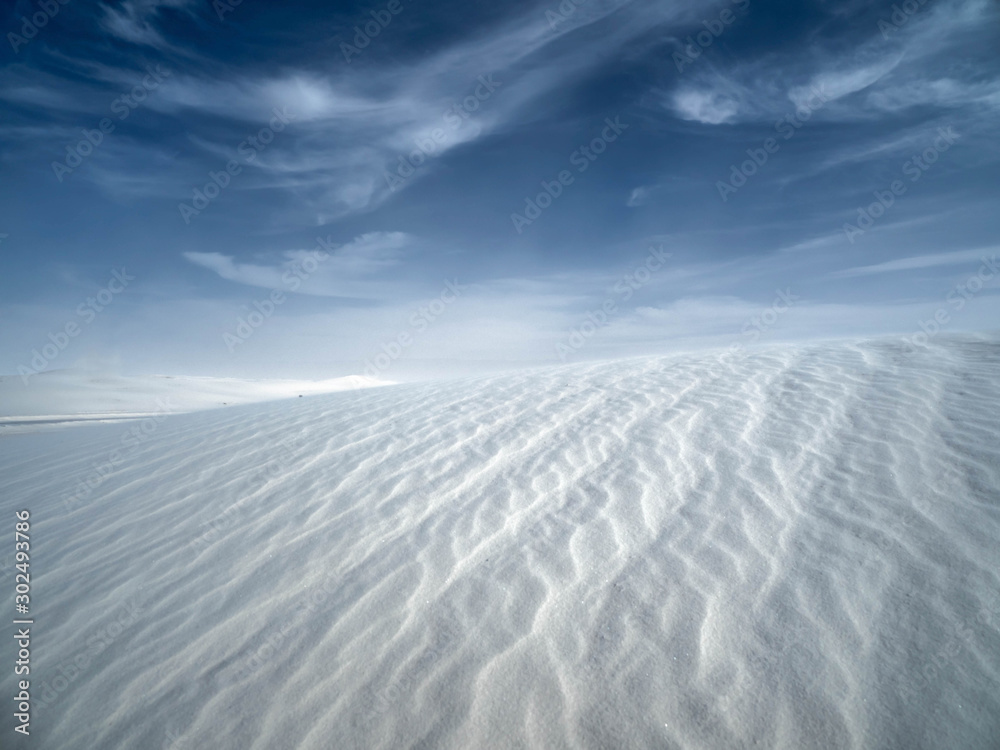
(794, 548)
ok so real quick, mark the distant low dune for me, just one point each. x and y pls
(61, 397)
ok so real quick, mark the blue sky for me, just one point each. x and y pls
(354, 160)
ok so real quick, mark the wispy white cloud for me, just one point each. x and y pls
(349, 271)
(940, 92)
(918, 261)
(638, 196)
(353, 123)
(836, 84)
(707, 106)
(876, 76)
(133, 20)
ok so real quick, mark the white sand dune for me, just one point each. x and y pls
(793, 549)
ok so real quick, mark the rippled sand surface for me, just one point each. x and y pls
(797, 548)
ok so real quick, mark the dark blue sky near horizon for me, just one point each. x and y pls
(845, 153)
